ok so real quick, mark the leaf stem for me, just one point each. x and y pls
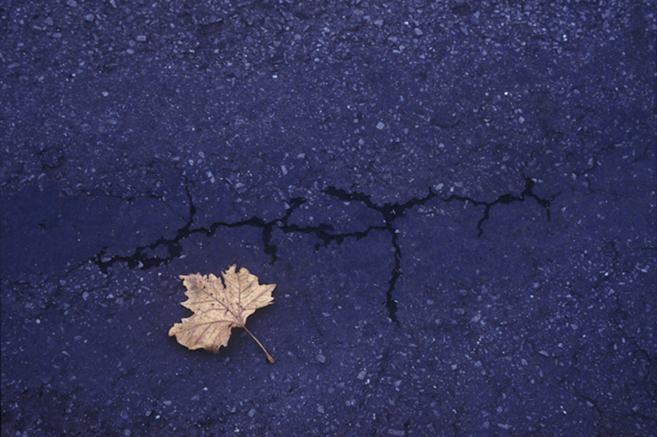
(269, 357)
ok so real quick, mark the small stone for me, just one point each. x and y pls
(380, 125)
(252, 412)
(418, 32)
(89, 17)
(321, 358)
(141, 38)
(72, 3)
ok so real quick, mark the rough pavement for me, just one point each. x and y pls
(455, 199)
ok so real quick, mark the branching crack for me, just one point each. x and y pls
(389, 212)
(392, 211)
(505, 199)
(144, 257)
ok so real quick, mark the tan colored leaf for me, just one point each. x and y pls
(219, 307)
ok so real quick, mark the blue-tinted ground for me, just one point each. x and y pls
(455, 199)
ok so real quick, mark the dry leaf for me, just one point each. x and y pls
(219, 307)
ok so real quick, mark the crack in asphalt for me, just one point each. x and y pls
(506, 199)
(143, 259)
(390, 212)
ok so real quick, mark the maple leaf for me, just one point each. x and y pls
(218, 307)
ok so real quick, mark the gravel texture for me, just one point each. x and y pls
(456, 200)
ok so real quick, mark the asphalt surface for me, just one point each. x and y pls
(456, 200)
